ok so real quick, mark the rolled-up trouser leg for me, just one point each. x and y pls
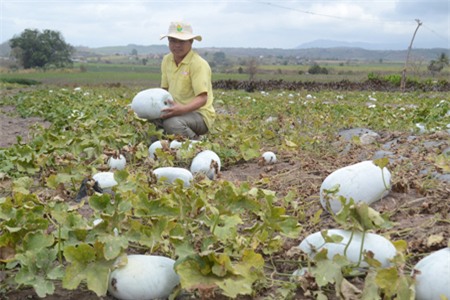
(190, 125)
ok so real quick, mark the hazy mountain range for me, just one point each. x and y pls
(343, 44)
(315, 50)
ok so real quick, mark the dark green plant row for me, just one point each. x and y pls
(389, 83)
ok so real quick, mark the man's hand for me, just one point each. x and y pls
(177, 109)
(174, 109)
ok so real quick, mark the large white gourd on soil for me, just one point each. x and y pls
(170, 174)
(363, 181)
(269, 157)
(117, 163)
(149, 103)
(381, 247)
(105, 180)
(144, 277)
(433, 281)
(206, 162)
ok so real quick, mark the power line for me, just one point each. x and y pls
(435, 33)
(347, 19)
(305, 11)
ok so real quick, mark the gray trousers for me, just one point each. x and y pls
(190, 125)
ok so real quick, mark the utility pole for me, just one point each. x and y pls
(403, 82)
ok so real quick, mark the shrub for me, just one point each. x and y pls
(316, 69)
(20, 81)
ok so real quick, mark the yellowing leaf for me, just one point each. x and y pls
(290, 143)
(400, 245)
(434, 239)
(381, 162)
(348, 291)
(387, 279)
(97, 276)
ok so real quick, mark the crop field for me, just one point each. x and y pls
(233, 237)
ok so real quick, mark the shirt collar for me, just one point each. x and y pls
(186, 59)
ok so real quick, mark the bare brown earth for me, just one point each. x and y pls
(418, 203)
(12, 126)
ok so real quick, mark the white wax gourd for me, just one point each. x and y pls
(152, 149)
(144, 277)
(117, 163)
(433, 281)
(148, 104)
(183, 148)
(170, 174)
(105, 180)
(269, 157)
(381, 247)
(175, 144)
(206, 162)
(363, 181)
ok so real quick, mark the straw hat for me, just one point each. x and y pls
(181, 31)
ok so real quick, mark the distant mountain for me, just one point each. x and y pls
(342, 44)
(318, 50)
(335, 53)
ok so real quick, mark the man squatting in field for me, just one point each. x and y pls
(187, 77)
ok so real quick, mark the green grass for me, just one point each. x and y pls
(134, 74)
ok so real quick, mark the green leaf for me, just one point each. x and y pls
(202, 272)
(22, 185)
(43, 287)
(249, 148)
(222, 265)
(195, 273)
(81, 254)
(34, 241)
(97, 276)
(228, 227)
(102, 203)
(371, 290)
(113, 245)
(87, 264)
(326, 271)
(56, 273)
(73, 276)
(54, 180)
(334, 238)
(387, 279)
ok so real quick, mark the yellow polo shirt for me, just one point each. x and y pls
(187, 80)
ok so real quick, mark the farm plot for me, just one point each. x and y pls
(236, 236)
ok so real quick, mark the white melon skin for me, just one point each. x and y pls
(382, 248)
(105, 180)
(148, 104)
(202, 164)
(152, 149)
(362, 182)
(117, 163)
(269, 157)
(144, 277)
(170, 174)
(434, 278)
(175, 144)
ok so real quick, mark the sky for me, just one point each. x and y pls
(234, 23)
